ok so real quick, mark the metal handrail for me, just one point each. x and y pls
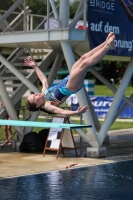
(18, 18)
(45, 20)
(80, 14)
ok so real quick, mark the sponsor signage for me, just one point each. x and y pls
(110, 16)
(101, 105)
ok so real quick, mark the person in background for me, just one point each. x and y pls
(7, 129)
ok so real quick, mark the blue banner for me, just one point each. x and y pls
(116, 16)
(102, 104)
(127, 112)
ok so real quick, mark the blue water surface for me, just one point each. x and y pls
(102, 182)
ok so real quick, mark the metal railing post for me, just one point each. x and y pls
(48, 11)
(64, 13)
(24, 17)
(84, 13)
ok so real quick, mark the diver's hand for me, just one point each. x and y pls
(30, 62)
(82, 109)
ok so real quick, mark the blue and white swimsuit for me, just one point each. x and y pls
(57, 92)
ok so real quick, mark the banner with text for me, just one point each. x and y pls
(101, 105)
(111, 16)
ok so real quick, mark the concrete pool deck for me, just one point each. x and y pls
(12, 163)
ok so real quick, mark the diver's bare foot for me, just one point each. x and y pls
(110, 43)
(109, 36)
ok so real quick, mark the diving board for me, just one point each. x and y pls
(42, 124)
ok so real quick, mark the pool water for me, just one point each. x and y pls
(102, 182)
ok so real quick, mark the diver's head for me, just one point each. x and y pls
(35, 101)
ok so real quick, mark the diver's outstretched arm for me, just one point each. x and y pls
(41, 76)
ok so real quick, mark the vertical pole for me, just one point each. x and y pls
(55, 68)
(31, 22)
(81, 140)
(33, 117)
(27, 20)
(64, 13)
(9, 107)
(48, 11)
(68, 53)
(84, 13)
(24, 18)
